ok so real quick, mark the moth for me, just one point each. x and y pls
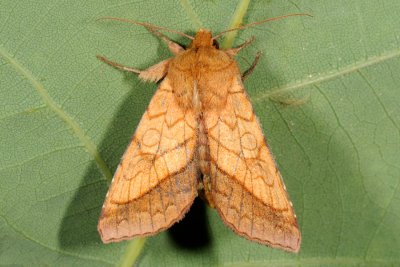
(198, 134)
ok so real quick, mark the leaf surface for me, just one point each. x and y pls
(326, 92)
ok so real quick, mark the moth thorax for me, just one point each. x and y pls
(203, 38)
(196, 103)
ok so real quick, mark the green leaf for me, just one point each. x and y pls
(326, 91)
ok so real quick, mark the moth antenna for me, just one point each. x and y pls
(148, 25)
(259, 22)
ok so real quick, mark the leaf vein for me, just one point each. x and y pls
(63, 115)
(379, 101)
(23, 234)
(191, 14)
(328, 76)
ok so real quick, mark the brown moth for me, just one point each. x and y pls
(198, 133)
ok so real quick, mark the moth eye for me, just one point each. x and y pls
(215, 43)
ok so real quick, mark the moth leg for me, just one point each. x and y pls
(117, 65)
(252, 67)
(155, 72)
(236, 50)
(152, 74)
(172, 46)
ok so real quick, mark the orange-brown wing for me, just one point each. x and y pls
(246, 186)
(155, 183)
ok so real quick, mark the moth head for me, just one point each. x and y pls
(202, 38)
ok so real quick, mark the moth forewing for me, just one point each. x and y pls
(156, 181)
(247, 188)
